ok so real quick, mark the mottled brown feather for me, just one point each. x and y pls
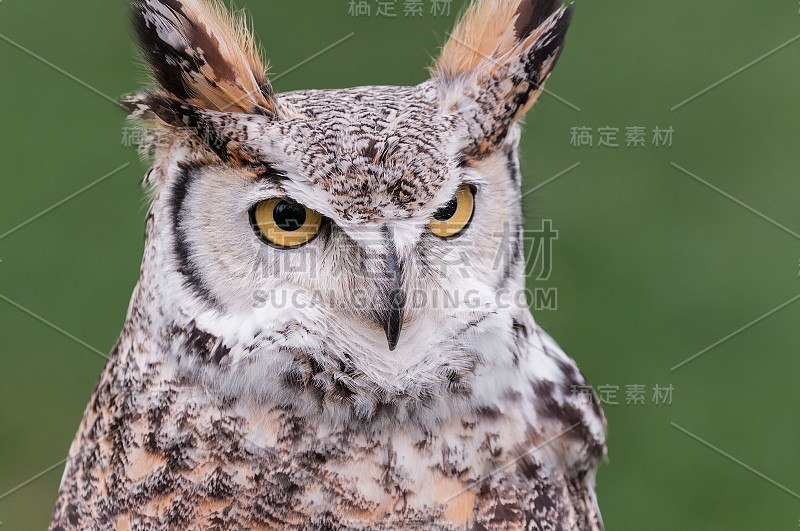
(203, 55)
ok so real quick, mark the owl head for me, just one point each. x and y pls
(338, 241)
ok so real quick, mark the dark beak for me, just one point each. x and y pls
(391, 315)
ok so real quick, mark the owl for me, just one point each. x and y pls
(327, 332)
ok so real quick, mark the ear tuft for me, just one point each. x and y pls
(485, 30)
(492, 30)
(217, 133)
(495, 63)
(202, 55)
(531, 15)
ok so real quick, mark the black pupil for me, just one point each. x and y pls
(448, 211)
(289, 216)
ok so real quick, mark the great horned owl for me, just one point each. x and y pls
(324, 334)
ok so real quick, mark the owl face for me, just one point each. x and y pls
(369, 209)
(376, 227)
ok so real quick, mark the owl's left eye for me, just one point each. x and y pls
(285, 223)
(454, 218)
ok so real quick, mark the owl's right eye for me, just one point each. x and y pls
(454, 218)
(285, 223)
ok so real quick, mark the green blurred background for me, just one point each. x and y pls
(651, 265)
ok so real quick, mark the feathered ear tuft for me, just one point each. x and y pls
(496, 61)
(202, 55)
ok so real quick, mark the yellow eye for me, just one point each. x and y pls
(285, 223)
(452, 219)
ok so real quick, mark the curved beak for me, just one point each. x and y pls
(395, 299)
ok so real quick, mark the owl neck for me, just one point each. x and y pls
(285, 368)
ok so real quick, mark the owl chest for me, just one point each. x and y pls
(173, 460)
(198, 467)
(285, 469)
